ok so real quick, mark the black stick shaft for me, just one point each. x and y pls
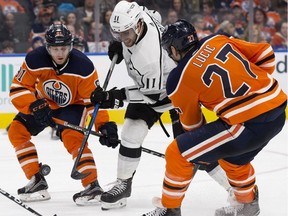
(75, 174)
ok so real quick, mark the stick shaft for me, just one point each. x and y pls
(19, 202)
(81, 129)
(75, 174)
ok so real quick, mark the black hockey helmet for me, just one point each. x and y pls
(181, 35)
(58, 35)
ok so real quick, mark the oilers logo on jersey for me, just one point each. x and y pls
(58, 92)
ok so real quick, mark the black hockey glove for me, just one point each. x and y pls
(110, 138)
(176, 124)
(108, 99)
(115, 47)
(42, 112)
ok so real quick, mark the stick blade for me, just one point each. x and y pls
(77, 175)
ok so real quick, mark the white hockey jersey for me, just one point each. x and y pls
(148, 64)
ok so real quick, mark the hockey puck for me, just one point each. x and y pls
(45, 170)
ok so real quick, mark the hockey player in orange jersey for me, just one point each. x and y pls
(232, 78)
(65, 79)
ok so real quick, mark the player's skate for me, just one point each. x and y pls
(239, 209)
(116, 197)
(35, 190)
(162, 211)
(89, 196)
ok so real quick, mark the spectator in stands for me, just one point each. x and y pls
(257, 35)
(36, 7)
(41, 24)
(64, 8)
(7, 32)
(179, 7)
(228, 27)
(11, 6)
(172, 17)
(86, 16)
(245, 4)
(101, 46)
(197, 21)
(209, 16)
(80, 44)
(272, 15)
(106, 5)
(260, 19)
(72, 29)
(51, 7)
(222, 5)
(75, 3)
(106, 34)
(280, 38)
(36, 42)
(7, 47)
(71, 19)
(239, 19)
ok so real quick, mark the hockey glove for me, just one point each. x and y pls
(176, 124)
(110, 138)
(108, 99)
(115, 47)
(42, 112)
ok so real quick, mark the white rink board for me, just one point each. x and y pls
(10, 64)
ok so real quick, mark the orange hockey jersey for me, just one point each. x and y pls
(38, 77)
(228, 76)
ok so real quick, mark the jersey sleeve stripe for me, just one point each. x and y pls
(268, 50)
(19, 94)
(253, 104)
(265, 59)
(249, 98)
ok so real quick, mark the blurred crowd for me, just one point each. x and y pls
(23, 22)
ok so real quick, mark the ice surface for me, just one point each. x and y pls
(202, 198)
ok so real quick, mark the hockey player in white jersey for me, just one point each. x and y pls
(138, 33)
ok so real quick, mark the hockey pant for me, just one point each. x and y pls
(234, 147)
(213, 169)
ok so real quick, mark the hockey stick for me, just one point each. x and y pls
(84, 130)
(19, 202)
(75, 174)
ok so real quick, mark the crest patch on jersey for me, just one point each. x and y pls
(58, 92)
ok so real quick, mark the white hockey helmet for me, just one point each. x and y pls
(125, 16)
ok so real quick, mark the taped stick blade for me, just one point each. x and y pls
(77, 175)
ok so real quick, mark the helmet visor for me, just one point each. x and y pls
(123, 36)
